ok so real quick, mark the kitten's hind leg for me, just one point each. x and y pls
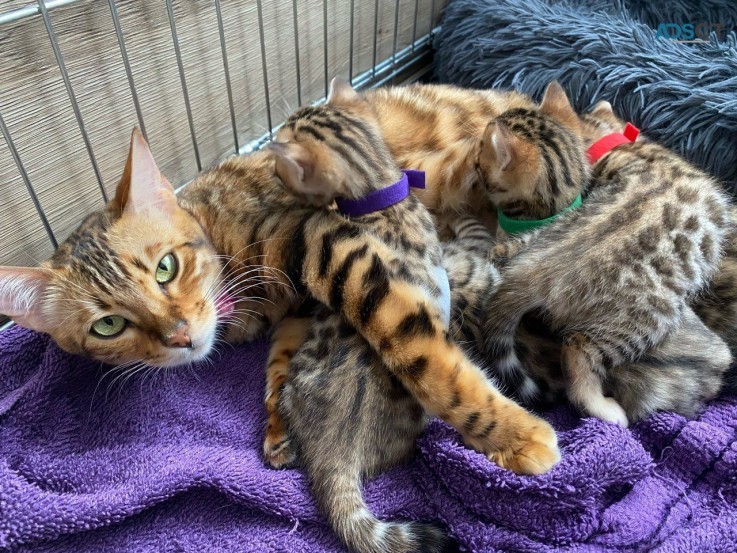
(286, 340)
(582, 364)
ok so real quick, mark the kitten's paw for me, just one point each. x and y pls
(278, 451)
(607, 409)
(533, 450)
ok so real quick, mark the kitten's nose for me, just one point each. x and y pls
(180, 337)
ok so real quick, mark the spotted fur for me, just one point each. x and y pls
(614, 278)
(717, 305)
(679, 374)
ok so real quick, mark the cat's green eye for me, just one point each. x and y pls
(166, 270)
(109, 326)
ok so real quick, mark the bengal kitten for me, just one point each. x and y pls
(614, 277)
(438, 129)
(459, 137)
(679, 374)
(717, 305)
(147, 280)
(349, 417)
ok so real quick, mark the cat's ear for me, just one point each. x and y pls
(294, 165)
(142, 188)
(501, 145)
(23, 294)
(556, 104)
(603, 108)
(342, 93)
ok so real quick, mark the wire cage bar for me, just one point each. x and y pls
(221, 30)
(263, 65)
(72, 96)
(127, 64)
(296, 53)
(182, 78)
(365, 31)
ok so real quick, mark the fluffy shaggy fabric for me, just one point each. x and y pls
(682, 95)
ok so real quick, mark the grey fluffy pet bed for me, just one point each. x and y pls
(682, 95)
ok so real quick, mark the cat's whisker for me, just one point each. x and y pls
(153, 373)
(125, 374)
(237, 289)
(247, 285)
(124, 377)
(233, 260)
(238, 324)
(252, 272)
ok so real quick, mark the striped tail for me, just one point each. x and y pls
(504, 314)
(338, 493)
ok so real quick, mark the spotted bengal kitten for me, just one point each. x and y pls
(347, 416)
(679, 374)
(613, 278)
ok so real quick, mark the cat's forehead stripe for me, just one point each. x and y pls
(87, 253)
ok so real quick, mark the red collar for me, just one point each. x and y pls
(606, 143)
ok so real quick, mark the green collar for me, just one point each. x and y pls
(519, 226)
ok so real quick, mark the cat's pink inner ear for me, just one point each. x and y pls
(23, 296)
(293, 165)
(501, 142)
(143, 189)
(341, 92)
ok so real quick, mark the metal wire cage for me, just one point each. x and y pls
(202, 79)
(79, 74)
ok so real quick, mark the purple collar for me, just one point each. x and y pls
(381, 199)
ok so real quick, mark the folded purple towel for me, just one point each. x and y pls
(172, 462)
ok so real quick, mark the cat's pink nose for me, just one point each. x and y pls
(180, 337)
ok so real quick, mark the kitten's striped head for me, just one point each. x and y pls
(533, 161)
(334, 149)
(134, 283)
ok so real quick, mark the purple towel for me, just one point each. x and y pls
(171, 462)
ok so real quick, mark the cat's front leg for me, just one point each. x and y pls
(288, 337)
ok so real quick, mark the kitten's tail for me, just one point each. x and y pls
(503, 316)
(339, 494)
